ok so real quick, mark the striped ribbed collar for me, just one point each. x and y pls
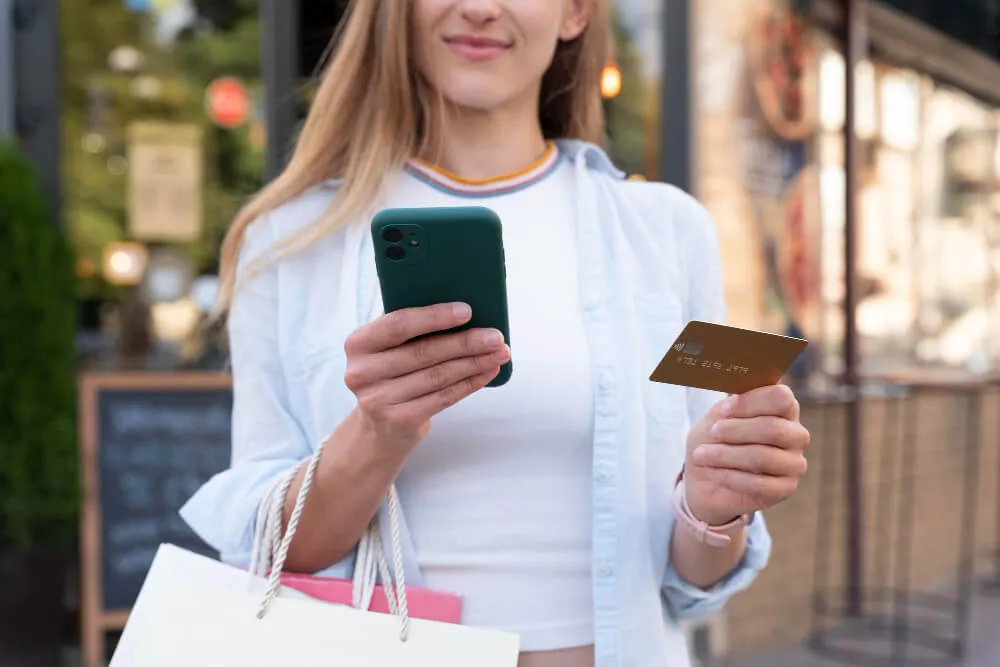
(450, 183)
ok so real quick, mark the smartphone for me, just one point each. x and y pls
(426, 256)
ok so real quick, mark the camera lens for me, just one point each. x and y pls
(394, 252)
(392, 235)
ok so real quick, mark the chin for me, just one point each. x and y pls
(481, 96)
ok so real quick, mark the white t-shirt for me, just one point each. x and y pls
(497, 498)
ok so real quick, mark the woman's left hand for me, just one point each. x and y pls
(746, 454)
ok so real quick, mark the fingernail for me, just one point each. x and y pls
(461, 310)
(492, 337)
(699, 454)
(715, 429)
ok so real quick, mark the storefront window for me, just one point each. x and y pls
(163, 141)
(756, 114)
(632, 86)
(927, 173)
(955, 285)
(769, 165)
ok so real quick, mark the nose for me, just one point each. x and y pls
(479, 12)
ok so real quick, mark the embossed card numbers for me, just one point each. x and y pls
(727, 359)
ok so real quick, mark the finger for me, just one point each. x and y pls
(771, 401)
(440, 377)
(428, 405)
(395, 328)
(756, 459)
(775, 431)
(424, 353)
(763, 490)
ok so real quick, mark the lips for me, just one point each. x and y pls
(475, 47)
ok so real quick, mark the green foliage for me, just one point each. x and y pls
(39, 482)
(632, 116)
(95, 196)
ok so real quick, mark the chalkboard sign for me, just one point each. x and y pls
(148, 442)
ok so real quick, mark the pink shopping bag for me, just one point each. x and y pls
(424, 603)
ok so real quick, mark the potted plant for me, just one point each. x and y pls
(39, 483)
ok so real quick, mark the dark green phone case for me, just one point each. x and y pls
(426, 256)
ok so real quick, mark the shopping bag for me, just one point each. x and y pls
(193, 611)
(422, 602)
(196, 612)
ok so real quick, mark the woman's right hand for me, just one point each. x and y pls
(400, 383)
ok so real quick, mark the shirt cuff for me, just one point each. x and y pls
(688, 602)
(223, 512)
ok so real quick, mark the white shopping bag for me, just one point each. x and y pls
(193, 611)
(196, 612)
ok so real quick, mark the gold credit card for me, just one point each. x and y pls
(727, 359)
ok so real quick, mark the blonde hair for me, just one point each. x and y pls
(360, 128)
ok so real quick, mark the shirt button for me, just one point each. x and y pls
(603, 476)
(591, 300)
(606, 382)
(605, 571)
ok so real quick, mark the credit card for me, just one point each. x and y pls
(727, 359)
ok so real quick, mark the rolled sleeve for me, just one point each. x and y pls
(686, 602)
(268, 439)
(223, 512)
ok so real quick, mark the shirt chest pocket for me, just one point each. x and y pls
(661, 321)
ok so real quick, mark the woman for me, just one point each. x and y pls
(548, 504)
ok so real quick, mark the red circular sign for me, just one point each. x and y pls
(227, 102)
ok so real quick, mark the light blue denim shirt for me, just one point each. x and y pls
(649, 262)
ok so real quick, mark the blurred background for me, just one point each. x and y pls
(850, 154)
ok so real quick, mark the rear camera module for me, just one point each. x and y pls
(395, 253)
(392, 235)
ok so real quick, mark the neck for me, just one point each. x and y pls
(483, 145)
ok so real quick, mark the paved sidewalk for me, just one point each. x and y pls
(983, 647)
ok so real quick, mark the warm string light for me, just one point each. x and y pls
(611, 81)
(124, 263)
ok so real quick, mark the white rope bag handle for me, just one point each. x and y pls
(270, 548)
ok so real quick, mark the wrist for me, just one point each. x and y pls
(707, 528)
(702, 513)
(699, 508)
(367, 446)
